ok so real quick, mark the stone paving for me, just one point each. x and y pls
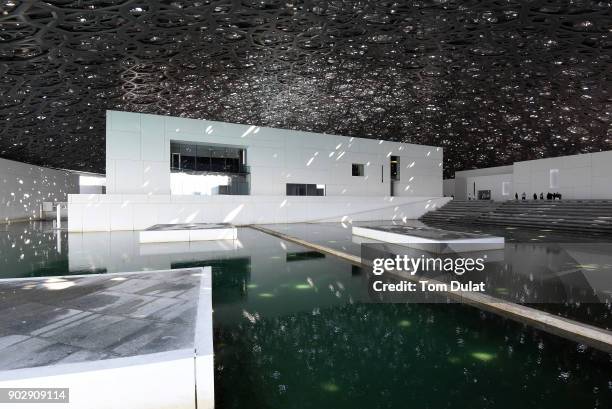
(56, 320)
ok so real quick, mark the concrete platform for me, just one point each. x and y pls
(186, 247)
(432, 240)
(166, 233)
(137, 340)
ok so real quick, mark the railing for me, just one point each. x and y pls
(214, 169)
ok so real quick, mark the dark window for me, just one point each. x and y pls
(358, 169)
(176, 160)
(188, 162)
(395, 168)
(207, 158)
(217, 164)
(311, 190)
(202, 163)
(303, 189)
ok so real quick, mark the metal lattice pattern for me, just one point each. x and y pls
(490, 81)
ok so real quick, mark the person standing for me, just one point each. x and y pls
(515, 196)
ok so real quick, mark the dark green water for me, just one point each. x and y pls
(303, 337)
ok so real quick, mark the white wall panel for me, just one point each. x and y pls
(121, 216)
(145, 215)
(156, 178)
(268, 156)
(585, 176)
(494, 183)
(182, 125)
(123, 145)
(75, 219)
(153, 140)
(601, 187)
(577, 175)
(111, 174)
(127, 212)
(96, 216)
(124, 121)
(128, 177)
(24, 187)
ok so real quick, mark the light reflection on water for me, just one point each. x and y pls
(292, 330)
(565, 274)
(323, 347)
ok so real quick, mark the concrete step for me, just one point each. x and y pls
(578, 223)
(569, 215)
(551, 226)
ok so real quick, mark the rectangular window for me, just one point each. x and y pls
(194, 157)
(304, 189)
(395, 168)
(185, 155)
(358, 169)
(554, 178)
(505, 188)
(208, 169)
(176, 161)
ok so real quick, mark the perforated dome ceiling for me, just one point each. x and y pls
(490, 81)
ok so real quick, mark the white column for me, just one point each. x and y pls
(59, 216)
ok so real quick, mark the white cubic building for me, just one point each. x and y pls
(163, 170)
(583, 176)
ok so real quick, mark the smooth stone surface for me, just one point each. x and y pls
(434, 240)
(165, 233)
(153, 327)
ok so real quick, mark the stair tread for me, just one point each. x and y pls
(574, 215)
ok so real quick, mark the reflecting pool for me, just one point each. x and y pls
(293, 328)
(298, 332)
(565, 274)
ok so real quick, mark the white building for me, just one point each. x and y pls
(176, 170)
(584, 176)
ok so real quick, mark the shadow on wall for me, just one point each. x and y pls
(24, 187)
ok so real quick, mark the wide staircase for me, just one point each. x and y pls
(593, 216)
(460, 211)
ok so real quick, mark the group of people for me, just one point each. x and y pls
(549, 196)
